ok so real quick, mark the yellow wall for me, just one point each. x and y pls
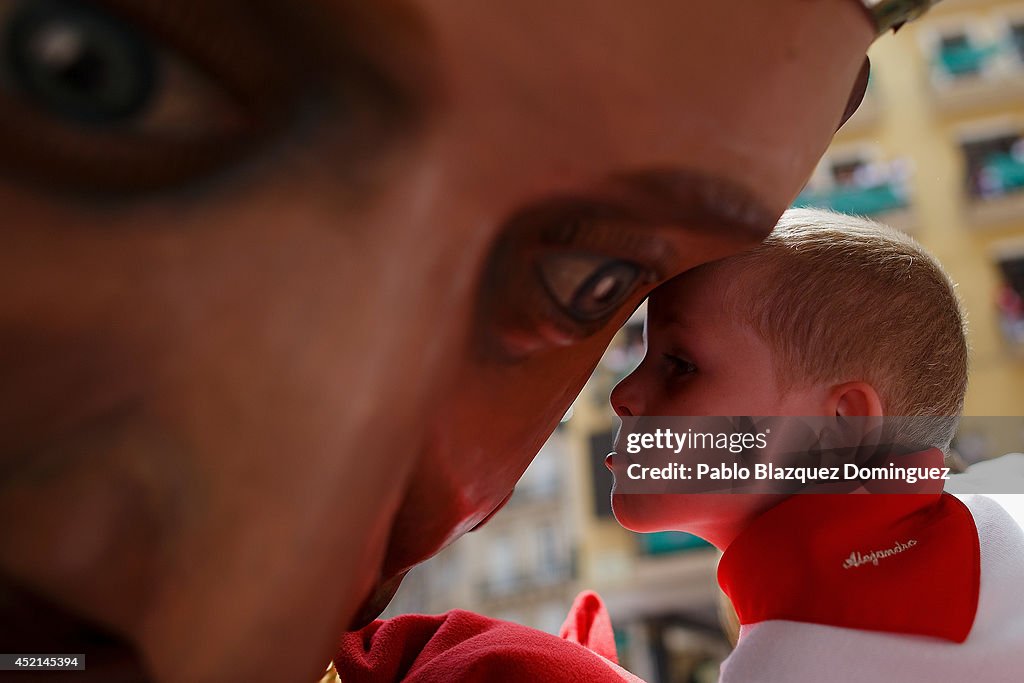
(913, 123)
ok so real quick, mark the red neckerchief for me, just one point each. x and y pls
(904, 563)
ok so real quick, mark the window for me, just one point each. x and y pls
(542, 480)
(601, 445)
(958, 55)
(1010, 297)
(551, 565)
(1012, 269)
(845, 173)
(1017, 38)
(502, 569)
(858, 184)
(994, 165)
(446, 571)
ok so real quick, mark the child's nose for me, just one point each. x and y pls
(625, 398)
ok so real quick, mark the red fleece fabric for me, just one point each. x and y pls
(907, 564)
(589, 625)
(463, 646)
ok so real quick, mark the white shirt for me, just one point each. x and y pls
(783, 651)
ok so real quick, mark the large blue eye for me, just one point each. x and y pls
(76, 63)
(589, 287)
(604, 291)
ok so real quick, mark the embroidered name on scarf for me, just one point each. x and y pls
(857, 559)
(860, 561)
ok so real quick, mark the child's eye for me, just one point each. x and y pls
(680, 366)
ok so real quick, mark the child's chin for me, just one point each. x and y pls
(639, 512)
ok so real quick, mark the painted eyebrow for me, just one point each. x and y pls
(691, 198)
(683, 199)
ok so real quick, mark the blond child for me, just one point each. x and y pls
(834, 316)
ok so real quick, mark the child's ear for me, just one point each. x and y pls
(855, 399)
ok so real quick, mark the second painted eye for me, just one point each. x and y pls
(589, 287)
(92, 99)
(78, 64)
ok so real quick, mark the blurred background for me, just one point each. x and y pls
(936, 150)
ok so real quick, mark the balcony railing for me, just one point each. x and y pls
(968, 59)
(1001, 174)
(863, 201)
(522, 581)
(666, 542)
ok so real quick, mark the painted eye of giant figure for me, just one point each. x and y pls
(292, 292)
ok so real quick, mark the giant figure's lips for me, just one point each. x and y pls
(382, 593)
(31, 625)
(378, 600)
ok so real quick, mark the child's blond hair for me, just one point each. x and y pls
(843, 298)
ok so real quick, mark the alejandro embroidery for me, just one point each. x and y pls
(857, 559)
